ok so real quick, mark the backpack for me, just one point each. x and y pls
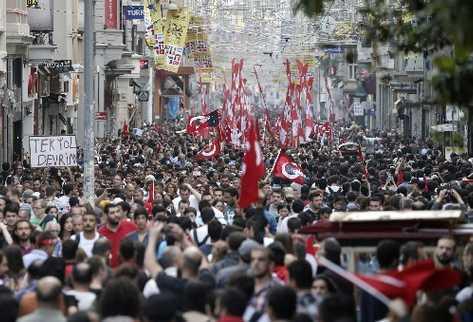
(203, 242)
(333, 194)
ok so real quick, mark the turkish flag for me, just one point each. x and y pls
(210, 152)
(252, 167)
(423, 275)
(286, 168)
(199, 124)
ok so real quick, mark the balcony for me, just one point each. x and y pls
(18, 31)
(17, 23)
(42, 49)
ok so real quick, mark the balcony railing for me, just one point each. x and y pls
(42, 38)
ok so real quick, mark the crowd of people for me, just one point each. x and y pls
(165, 240)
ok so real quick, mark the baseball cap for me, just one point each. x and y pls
(117, 201)
(27, 194)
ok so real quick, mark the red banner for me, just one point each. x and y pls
(111, 21)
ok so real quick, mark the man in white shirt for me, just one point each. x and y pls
(201, 235)
(81, 279)
(89, 234)
(189, 194)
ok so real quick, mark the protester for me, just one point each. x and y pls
(115, 229)
(89, 235)
(167, 226)
(48, 293)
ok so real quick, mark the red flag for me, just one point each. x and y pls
(199, 124)
(125, 131)
(309, 118)
(252, 167)
(399, 284)
(286, 168)
(212, 151)
(423, 275)
(150, 200)
(309, 246)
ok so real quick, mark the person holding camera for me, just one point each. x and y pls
(448, 199)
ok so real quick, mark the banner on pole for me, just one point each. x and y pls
(53, 151)
(148, 7)
(175, 32)
(198, 47)
(111, 14)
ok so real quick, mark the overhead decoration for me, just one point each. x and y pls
(175, 32)
(198, 49)
(166, 35)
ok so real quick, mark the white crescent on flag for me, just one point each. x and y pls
(200, 119)
(291, 170)
(211, 151)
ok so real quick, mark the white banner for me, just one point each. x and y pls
(53, 151)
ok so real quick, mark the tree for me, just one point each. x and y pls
(440, 27)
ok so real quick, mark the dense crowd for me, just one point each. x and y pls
(166, 240)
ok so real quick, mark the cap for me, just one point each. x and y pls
(150, 178)
(245, 249)
(27, 194)
(117, 201)
(296, 186)
(104, 203)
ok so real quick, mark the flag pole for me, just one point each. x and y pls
(274, 164)
(354, 279)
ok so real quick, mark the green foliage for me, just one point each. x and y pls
(437, 137)
(457, 139)
(452, 139)
(433, 27)
(311, 8)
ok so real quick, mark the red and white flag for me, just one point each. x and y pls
(286, 168)
(422, 275)
(400, 284)
(309, 118)
(212, 151)
(252, 167)
(200, 124)
(150, 199)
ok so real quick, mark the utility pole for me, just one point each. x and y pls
(149, 106)
(89, 110)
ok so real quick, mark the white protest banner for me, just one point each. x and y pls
(137, 132)
(53, 151)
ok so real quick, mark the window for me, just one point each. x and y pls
(65, 87)
(352, 70)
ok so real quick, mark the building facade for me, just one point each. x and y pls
(3, 77)
(16, 114)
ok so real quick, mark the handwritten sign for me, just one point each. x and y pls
(197, 47)
(175, 33)
(53, 151)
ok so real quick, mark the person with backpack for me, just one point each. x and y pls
(87, 237)
(200, 235)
